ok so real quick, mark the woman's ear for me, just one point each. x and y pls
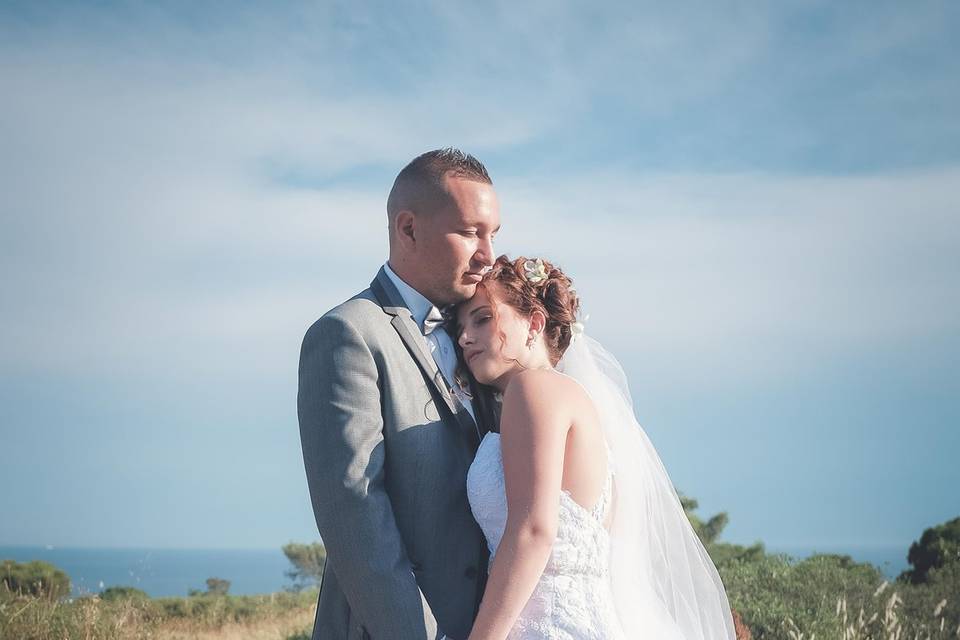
(538, 322)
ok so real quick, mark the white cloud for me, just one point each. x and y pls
(136, 197)
(699, 269)
(687, 269)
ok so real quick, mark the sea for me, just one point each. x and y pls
(174, 572)
(163, 572)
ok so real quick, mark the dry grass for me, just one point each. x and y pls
(274, 628)
(882, 620)
(234, 618)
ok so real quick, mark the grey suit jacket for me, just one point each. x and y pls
(387, 447)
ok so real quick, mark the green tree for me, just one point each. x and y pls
(35, 578)
(217, 586)
(708, 531)
(308, 561)
(938, 546)
(721, 553)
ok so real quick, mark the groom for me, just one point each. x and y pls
(387, 434)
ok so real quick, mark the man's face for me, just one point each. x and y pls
(455, 245)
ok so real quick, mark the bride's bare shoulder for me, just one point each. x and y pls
(548, 390)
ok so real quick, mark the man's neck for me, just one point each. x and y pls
(404, 274)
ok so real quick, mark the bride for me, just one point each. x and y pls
(587, 536)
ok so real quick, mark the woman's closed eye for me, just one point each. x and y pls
(475, 321)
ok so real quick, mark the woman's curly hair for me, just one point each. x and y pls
(554, 296)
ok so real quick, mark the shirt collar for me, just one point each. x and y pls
(418, 305)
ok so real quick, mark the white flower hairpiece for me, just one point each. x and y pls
(534, 271)
(577, 328)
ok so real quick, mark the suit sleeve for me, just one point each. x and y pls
(341, 431)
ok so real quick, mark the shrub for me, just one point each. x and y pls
(123, 593)
(35, 578)
(774, 589)
(830, 596)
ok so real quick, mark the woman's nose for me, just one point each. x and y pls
(464, 339)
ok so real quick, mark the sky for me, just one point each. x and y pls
(758, 203)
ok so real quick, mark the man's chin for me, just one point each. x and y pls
(462, 293)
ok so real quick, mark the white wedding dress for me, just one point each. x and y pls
(572, 600)
(631, 567)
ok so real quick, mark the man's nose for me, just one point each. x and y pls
(484, 253)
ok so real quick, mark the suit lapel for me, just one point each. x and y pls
(402, 321)
(485, 407)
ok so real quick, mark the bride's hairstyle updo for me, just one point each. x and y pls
(553, 295)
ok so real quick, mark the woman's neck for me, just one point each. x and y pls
(537, 359)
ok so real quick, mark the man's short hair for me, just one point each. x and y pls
(419, 186)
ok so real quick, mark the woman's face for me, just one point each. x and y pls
(492, 343)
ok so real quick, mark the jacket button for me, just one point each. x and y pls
(470, 573)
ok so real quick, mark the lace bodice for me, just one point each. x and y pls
(572, 600)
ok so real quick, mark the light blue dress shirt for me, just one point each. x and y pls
(439, 341)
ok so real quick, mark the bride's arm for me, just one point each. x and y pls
(533, 431)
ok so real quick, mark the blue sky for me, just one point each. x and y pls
(758, 202)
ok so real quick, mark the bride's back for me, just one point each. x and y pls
(552, 439)
(585, 464)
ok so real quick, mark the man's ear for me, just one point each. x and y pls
(405, 228)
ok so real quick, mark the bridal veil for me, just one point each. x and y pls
(665, 586)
